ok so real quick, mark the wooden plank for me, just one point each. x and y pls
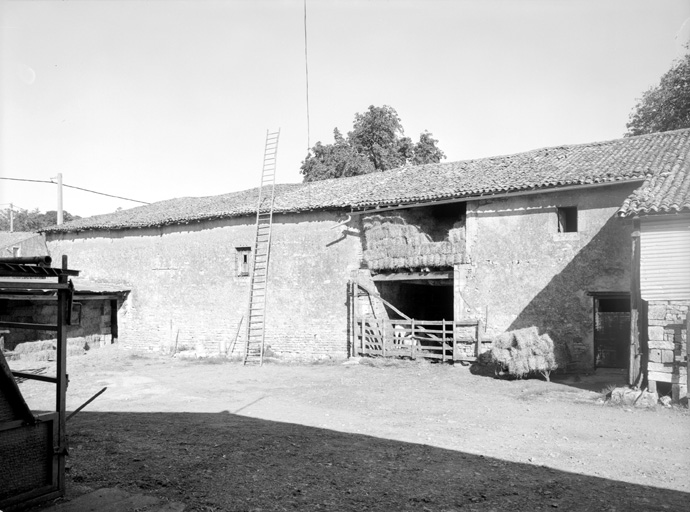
(634, 356)
(26, 325)
(33, 376)
(32, 285)
(64, 300)
(414, 276)
(114, 330)
(53, 298)
(378, 296)
(443, 344)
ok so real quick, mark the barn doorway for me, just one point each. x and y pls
(611, 330)
(429, 299)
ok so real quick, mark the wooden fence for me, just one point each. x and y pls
(444, 340)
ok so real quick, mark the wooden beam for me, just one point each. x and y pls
(32, 285)
(114, 329)
(53, 298)
(33, 376)
(414, 276)
(635, 356)
(26, 325)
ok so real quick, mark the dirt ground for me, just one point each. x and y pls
(379, 435)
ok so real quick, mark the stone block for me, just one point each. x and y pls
(657, 312)
(627, 396)
(666, 356)
(661, 344)
(655, 355)
(655, 333)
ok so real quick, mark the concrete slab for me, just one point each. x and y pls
(116, 500)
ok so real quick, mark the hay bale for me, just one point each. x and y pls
(525, 339)
(524, 351)
(30, 347)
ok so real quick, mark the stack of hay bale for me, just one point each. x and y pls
(391, 244)
(524, 351)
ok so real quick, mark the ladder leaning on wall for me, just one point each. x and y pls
(256, 309)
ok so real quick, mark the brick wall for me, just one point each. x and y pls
(186, 291)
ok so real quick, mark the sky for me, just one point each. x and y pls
(157, 99)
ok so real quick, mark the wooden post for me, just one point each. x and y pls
(362, 336)
(634, 365)
(113, 321)
(443, 341)
(687, 352)
(383, 337)
(61, 377)
(413, 341)
(353, 321)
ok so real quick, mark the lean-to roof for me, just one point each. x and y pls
(617, 160)
(666, 192)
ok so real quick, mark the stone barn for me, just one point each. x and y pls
(476, 247)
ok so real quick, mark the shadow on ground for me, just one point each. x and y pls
(227, 462)
(597, 381)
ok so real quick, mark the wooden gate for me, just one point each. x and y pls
(429, 339)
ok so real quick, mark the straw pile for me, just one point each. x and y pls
(391, 243)
(46, 350)
(524, 351)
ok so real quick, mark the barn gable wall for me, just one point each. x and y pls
(523, 272)
(187, 291)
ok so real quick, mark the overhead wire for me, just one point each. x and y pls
(78, 188)
(306, 69)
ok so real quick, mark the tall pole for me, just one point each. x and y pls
(59, 198)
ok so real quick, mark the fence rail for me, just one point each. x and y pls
(444, 340)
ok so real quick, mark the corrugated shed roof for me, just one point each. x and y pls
(599, 162)
(666, 192)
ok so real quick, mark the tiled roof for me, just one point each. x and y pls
(599, 162)
(667, 192)
(10, 238)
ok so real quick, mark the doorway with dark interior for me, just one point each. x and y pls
(427, 299)
(611, 330)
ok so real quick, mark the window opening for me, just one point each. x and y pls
(243, 255)
(567, 219)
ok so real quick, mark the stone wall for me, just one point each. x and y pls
(91, 321)
(668, 335)
(187, 291)
(523, 272)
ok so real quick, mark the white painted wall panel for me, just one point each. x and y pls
(665, 258)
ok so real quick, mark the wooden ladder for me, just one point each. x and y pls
(256, 309)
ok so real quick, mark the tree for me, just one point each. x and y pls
(666, 106)
(32, 220)
(377, 142)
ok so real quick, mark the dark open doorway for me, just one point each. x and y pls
(421, 300)
(611, 330)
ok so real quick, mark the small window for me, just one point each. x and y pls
(243, 255)
(567, 219)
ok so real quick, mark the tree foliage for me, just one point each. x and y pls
(32, 220)
(377, 142)
(666, 106)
